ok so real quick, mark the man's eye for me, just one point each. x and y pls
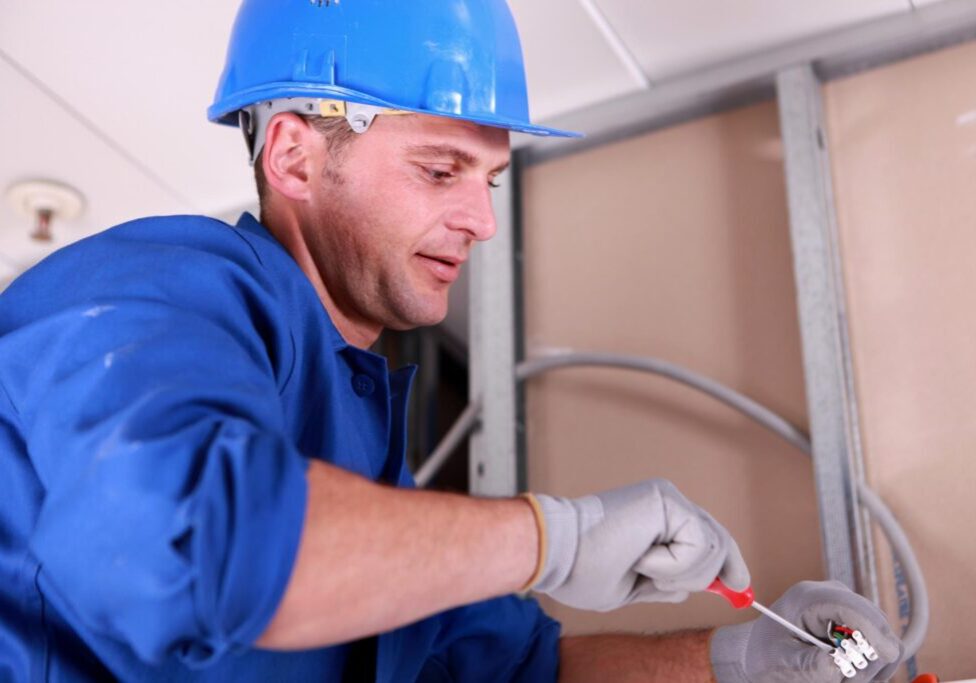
(438, 175)
(493, 184)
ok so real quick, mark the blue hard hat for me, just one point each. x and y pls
(455, 58)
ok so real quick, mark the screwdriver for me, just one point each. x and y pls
(746, 598)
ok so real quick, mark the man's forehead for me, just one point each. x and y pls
(467, 143)
(465, 157)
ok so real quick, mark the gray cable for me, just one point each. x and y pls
(918, 625)
(455, 435)
(747, 406)
(914, 635)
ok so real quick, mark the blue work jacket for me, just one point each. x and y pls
(162, 387)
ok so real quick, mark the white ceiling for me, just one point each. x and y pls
(110, 96)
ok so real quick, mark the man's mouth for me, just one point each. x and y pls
(444, 267)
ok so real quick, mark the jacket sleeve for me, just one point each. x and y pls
(504, 639)
(174, 501)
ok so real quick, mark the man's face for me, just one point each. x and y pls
(389, 226)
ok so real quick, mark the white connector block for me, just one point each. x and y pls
(854, 654)
(864, 646)
(843, 663)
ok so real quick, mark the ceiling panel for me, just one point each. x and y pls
(42, 141)
(568, 63)
(144, 73)
(673, 37)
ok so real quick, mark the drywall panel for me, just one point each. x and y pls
(676, 245)
(903, 146)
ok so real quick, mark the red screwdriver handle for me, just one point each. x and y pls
(739, 600)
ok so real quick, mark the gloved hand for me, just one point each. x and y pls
(763, 651)
(640, 543)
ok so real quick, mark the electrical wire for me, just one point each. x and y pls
(918, 625)
(762, 415)
(464, 425)
(914, 634)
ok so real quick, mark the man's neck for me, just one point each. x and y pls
(356, 332)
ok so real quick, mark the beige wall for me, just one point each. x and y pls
(903, 144)
(675, 245)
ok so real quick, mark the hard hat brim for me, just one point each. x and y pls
(226, 112)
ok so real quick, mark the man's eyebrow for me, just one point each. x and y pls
(456, 153)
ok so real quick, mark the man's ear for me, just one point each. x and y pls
(287, 155)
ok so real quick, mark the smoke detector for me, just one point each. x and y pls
(43, 201)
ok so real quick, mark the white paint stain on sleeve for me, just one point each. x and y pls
(96, 311)
(108, 360)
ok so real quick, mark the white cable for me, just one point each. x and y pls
(796, 630)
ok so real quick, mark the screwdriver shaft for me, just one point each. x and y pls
(798, 631)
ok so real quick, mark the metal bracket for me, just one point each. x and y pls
(831, 399)
(494, 461)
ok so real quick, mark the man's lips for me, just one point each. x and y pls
(445, 267)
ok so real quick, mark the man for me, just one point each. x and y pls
(203, 465)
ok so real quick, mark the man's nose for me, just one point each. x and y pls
(474, 213)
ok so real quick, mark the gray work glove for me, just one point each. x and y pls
(763, 651)
(640, 543)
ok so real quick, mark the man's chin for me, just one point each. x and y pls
(420, 318)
